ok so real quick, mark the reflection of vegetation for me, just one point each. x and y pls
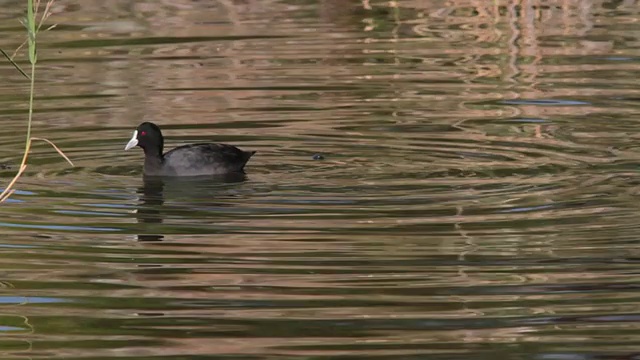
(33, 27)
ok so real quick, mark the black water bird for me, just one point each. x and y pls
(188, 160)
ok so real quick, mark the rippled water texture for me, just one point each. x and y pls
(475, 193)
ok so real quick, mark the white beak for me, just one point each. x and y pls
(133, 142)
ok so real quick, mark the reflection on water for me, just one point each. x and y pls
(151, 201)
(197, 194)
(475, 197)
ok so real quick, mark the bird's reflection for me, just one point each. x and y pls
(151, 200)
(152, 197)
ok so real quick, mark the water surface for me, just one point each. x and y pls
(477, 198)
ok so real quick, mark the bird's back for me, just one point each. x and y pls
(204, 159)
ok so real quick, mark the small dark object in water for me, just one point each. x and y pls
(187, 160)
(5, 166)
(318, 157)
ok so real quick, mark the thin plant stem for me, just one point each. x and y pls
(15, 65)
(55, 148)
(32, 30)
(8, 191)
(27, 145)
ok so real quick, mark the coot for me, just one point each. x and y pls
(187, 160)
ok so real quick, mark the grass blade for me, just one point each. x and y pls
(9, 189)
(15, 64)
(31, 30)
(56, 148)
(46, 13)
(18, 48)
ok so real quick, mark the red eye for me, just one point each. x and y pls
(143, 133)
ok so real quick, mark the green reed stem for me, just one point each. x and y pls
(32, 30)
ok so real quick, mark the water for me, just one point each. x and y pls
(477, 198)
